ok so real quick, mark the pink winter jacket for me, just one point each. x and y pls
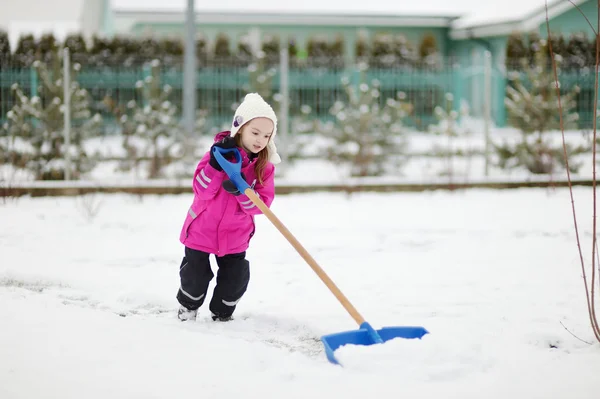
(219, 222)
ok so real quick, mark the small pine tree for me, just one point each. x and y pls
(40, 122)
(366, 135)
(383, 53)
(449, 125)
(270, 48)
(100, 53)
(516, 51)
(244, 53)
(150, 48)
(201, 51)
(362, 50)
(47, 49)
(24, 55)
(405, 54)
(5, 53)
(336, 51)
(293, 52)
(577, 53)
(428, 51)
(318, 52)
(559, 47)
(302, 143)
(591, 52)
(532, 107)
(535, 46)
(151, 129)
(77, 49)
(173, 49)
(125, 51)
(222, 52)
(260, 77)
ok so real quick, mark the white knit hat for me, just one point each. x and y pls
(254, 106)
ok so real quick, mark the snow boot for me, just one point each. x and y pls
(221, 318)
(185, 314)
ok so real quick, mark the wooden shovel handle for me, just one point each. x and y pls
(304, 253)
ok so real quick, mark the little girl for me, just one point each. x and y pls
(221, 218)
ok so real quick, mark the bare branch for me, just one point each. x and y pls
(584, 341)
(590, 301)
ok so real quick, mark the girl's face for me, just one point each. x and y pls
(255, 135)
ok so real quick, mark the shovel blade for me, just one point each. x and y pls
(366, 335)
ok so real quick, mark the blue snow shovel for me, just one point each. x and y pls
(365, 335)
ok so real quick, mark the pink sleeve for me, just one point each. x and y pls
(265, 191)
(207, 180)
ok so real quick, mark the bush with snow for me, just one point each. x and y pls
(39, 122)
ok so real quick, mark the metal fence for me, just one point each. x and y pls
(223, 84)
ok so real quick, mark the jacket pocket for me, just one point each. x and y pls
(192, 217)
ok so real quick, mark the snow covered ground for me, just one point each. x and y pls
(87, 303)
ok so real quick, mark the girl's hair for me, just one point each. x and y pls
(261, 161)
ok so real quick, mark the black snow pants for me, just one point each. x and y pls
(195, 275)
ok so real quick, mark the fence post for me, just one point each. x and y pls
(67, 111)
(285, 99)
(189, 71)
(487, 106)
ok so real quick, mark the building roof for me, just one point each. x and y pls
(460, 14)
(315, 7)
(509, 15)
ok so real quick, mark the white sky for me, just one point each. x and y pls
(33, 16)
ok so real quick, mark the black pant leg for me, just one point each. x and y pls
(232, 281)
(195, 274)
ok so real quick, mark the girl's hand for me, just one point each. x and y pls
(230, 186)
(226, 142)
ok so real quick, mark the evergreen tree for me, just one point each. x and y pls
(336, 51)
(24, 55)
(201, 51)
(405, 54)
(591, 52)
(532, 106)
(124, 51)
(100, 53)
(366, 135)
(449, 125)
(362, 50)
(244, 53)
(293, 53)
(5, 53)
(270, 48)
(428, 51)
(318, 52)
(150, 49)
(151, 128)
(173, 51)
(77, 49)
(222, 53)
(559, 47)
(40, 122)
(516, 51)
(535, 46)
(383, 54)
(577, 53)
(47, 49)
(260, 77)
